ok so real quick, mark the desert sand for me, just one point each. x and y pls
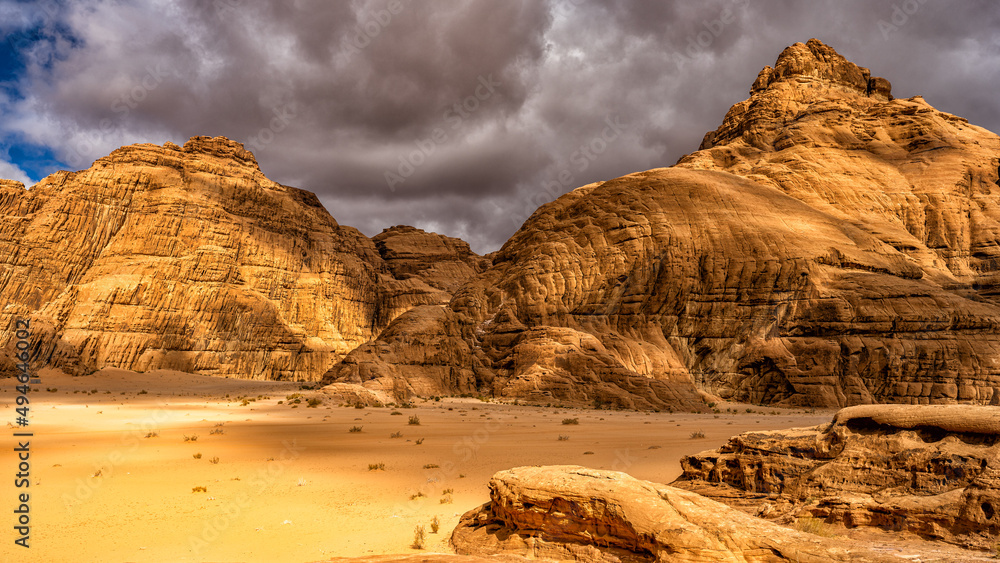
(291, 483)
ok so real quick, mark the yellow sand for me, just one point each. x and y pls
(293, 484)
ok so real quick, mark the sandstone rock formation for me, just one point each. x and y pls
(189, 258)
(578, 514)
(427, 558)
(442, 262)
(829, 245)
(929, 470)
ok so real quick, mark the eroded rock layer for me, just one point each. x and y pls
(829, 245)
(930, 470)
(189, 258)
(571, 513)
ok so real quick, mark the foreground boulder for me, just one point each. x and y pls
(579, 514)
(933, 471)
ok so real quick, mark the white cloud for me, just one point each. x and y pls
(10, 171)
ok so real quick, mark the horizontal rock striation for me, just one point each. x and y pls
(442, 262)
(929, 470)
(570, 513)
(189, 258)
(829, 245)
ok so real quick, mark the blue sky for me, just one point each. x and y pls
(332, 97)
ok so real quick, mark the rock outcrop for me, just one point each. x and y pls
(440, 261)
(829, 245)
(577, 514)
(189, 258)
(928, 470)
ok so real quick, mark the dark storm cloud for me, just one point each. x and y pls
(460, 117)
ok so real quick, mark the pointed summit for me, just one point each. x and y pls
(805, 74)
(816, 60)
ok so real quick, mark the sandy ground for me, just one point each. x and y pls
(112, 468)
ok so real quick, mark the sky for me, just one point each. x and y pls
(455, 116)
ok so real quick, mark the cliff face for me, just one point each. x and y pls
(442, 262)
(191, 259)
(829, 245)
(928, 470)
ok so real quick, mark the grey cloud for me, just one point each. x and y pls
(668, 70)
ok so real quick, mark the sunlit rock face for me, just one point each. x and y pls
(190, 258)
(829, 245)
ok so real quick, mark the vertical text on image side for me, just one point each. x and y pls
(22, 436)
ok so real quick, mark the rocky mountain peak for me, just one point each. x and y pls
(805, 75)
(217, 155)
(817, 60)
(220, 147)
(11, 184)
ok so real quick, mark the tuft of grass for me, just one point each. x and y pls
(435, 525)
(197, 455)
(199, 489)
(359, 406)
(431, 466)
(697, 435)
(214, 460)
(217, 431)
(414, 421)
(396, 435)
(419, 537)
(301, 482)
(143, 392)
(192, 438)
(355, 429)
(815, 526)
(420, 441)
(446, 500)
(447, 491)
(417, 495)
(152, 434)
(563, 437)
(396, 413)
(569, 421)
(376, 466)
(314, 402)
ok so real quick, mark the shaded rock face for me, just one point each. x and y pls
(828, 246)
(929, 470)
(442, 262)
(189, 258)
(578, 514)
